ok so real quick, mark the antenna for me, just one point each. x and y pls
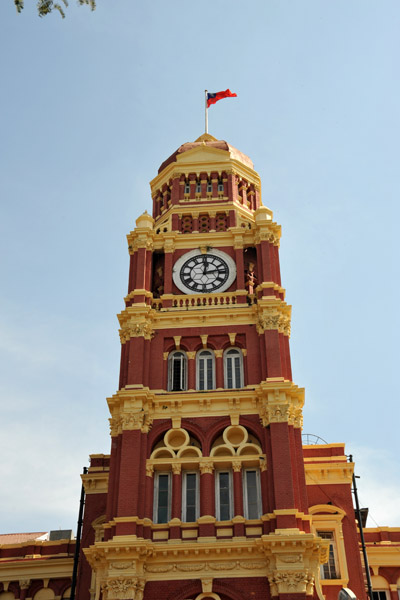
(310, 439)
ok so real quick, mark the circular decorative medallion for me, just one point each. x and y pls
(200, 273)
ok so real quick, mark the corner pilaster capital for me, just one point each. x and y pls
(291, 582)
(276, 315)
(149, 470)
(123, 588)
(206, 467)
(132, 330)
(169, 243)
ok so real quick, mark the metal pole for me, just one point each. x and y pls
(78, 539)
(206, 110)
(364, 549)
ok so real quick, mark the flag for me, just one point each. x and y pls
(213, 98)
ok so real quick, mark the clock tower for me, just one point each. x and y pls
(204, 493)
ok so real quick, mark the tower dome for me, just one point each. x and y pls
(210, 142)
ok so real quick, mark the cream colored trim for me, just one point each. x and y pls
(330, 472)
(95, 482)
(234, 237)
(42, 567)
(289, 561)
(137, 407)
(269, 313)
(332, 522)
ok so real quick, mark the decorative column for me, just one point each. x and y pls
(129, 475)
(176, 502)
(195, 226)
(149, 492)
(238, 519)
(207, 500)
(140, 269)
(169, 248)
(238, 246)
(24, 586)
(191, 370)
(219, 368)
(212, 221)
(233, 192)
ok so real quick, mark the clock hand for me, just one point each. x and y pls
(205, 264)
(213, 271)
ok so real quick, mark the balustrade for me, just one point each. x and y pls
(203, 301)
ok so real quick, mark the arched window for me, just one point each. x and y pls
(162, 497)
(252, 493)
(224, 495)
(177, 371)
(205, 370)
(190, 496)
(233, 368)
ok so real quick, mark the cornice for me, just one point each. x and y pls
(329, 473)
(220, 162)
(140, 320)
(146, 237)
(274, 402)
(290, 561)
(95, 482)
(383, 553)
(42, 567)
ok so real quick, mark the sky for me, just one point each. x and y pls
(90, 107)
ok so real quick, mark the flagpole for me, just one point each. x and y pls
(206, 110)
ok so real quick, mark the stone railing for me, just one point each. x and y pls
(202, 301)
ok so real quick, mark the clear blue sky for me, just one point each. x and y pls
(90, 106)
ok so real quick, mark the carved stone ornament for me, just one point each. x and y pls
(266, 236)
(291, 582)
(278, 413)
(190, 567)
(123, 588)
(267, 322)
(298, 417)
(159, 568)
(290, 558)
(24, 584)
(236, 465)
(206, 467)
(130, 421)
(115, 426)
(176, 468)
(222, 566)
(169, 245)
(130, 330)
(139, 420)
(120, 566)
(149, 470)
(254, 564)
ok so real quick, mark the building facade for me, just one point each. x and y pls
(208, 492)
(205, 494)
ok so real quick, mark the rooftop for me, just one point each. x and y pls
(208, 140)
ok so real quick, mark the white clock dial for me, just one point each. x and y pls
(201, 273)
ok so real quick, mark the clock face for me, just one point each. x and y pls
(198, 273)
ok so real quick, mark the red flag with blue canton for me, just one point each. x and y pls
(213, 98)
